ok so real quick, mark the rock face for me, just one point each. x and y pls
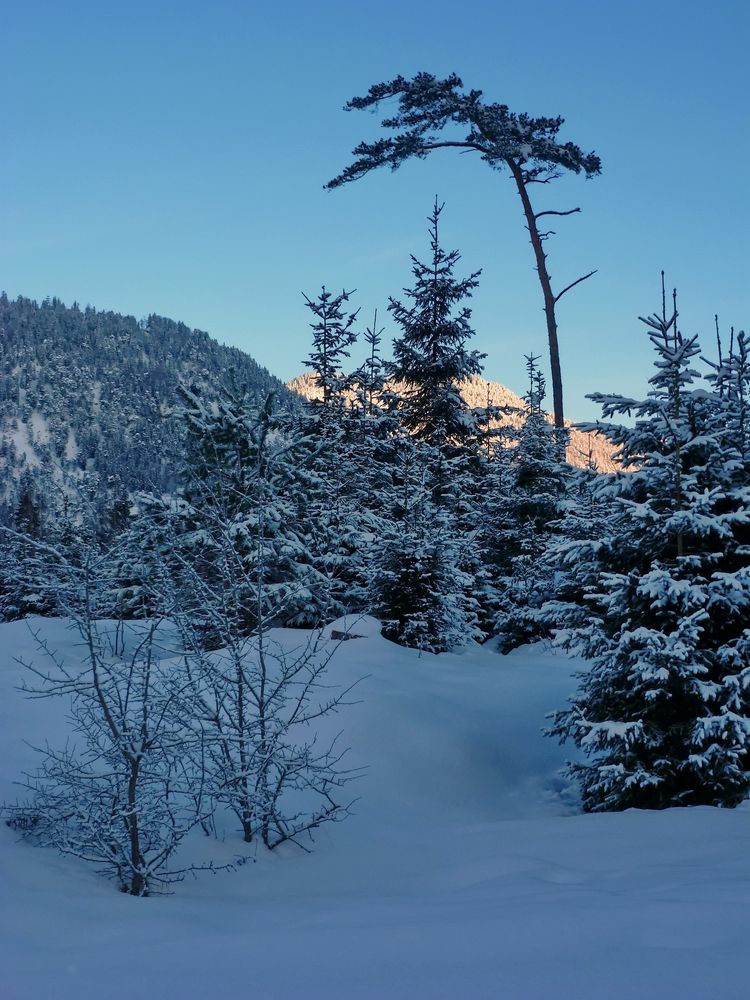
(478, 392)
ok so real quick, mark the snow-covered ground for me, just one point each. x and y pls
(465, 872)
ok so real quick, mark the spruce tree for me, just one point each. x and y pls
(243, 535)
(333, 334)
(328, 428)
(420, 588)
(521, 512)
(431, 358)
(368, 380)
(664, 711)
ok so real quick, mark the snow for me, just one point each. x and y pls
(466, 870)
(21, 439)
(71, 446)
(39, 428)
(96, 399)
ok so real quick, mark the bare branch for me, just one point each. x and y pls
(551, 211)
(573, 284)
(455, 144)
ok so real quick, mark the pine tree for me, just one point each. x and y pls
(529, 148)
(664, 711)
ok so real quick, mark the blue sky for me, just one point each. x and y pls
(170, 157)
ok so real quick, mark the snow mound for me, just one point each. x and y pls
(353, 627)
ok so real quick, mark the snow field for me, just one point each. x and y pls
(465, 870)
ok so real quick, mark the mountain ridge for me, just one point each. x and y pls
(584, 448)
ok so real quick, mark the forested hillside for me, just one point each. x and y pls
(87, 391)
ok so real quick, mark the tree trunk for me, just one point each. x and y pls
(549, 298)
(137, 881)
(245, 812)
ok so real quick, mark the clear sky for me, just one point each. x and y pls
(170, 157)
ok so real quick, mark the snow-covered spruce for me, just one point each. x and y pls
(524, 499)
(333, 334)
(420, 588)
(430, 356)
(242, 538)
(664, 712)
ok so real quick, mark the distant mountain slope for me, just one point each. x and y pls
(90, 390)
(478, 392)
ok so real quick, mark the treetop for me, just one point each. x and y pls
(428, 105)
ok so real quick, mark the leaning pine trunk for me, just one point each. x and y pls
(549, 298)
